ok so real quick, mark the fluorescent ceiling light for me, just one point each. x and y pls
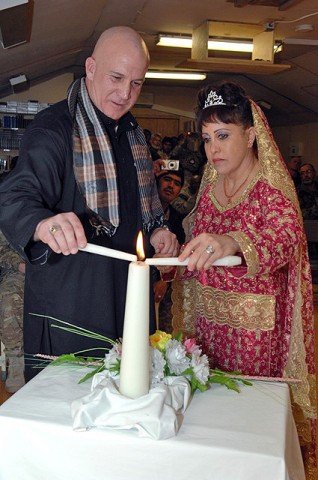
(224, 45)
(230, 46)
(181, 42)
(176, 75)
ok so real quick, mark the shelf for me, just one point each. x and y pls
(14, 119)
(10, 139)
(22, 108)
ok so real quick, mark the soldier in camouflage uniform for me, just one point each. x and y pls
(11, 313)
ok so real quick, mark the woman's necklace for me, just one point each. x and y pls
(229, 197)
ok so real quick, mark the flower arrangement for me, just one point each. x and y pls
(170, 355)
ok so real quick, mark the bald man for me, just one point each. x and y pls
(84, 175)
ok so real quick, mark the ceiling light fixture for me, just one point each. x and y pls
(176, 75)
(222, 45)
(304, 27)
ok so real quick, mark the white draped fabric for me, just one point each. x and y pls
(224, 435)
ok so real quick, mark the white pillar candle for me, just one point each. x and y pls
(134, 367)
(229, 261)
(109, 252)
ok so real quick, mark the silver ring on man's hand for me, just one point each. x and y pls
(54, 228)
(209, 250)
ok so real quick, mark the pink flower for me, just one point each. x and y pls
(190, 346)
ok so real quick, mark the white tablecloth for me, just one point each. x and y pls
(224, 436)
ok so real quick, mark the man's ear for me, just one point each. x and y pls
(90, 67)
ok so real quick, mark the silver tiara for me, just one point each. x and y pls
(213, 99)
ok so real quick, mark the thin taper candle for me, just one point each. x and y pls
(229, 261)
(109, 252)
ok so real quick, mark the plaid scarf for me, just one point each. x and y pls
(95, 165)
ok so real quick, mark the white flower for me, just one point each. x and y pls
(157, 365)
(200, 366)
(176, 357)
(111, 360)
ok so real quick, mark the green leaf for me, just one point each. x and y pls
(91, 374)
(76, 329)
(178, 336)
(66, 358)
(226, 381)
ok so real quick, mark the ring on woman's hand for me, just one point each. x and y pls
(54, 228)
(209, 249)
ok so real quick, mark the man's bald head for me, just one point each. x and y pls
(115, 72)
(123, 36)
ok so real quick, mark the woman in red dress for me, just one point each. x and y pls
(256, 318)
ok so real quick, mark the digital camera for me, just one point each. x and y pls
(170, 165)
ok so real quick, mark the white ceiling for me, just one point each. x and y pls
(63, 33)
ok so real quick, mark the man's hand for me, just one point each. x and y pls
(164, 242)
(63, 233)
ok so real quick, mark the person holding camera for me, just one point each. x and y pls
(169, 184)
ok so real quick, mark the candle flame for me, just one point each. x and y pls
(140, 247)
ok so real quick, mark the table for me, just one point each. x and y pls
(224, 436)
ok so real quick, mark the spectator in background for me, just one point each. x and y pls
(147, 134)
(155, 145)
(177, 143)
(12, 270)
(169, 185)
(293, 166)
(308, 192)
(185, 201)
(166, 148)
(189, 155)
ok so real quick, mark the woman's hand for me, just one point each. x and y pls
(206, 248)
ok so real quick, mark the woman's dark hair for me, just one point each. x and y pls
(237, 108)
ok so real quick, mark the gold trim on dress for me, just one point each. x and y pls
(237, 201)
(249, 252)
(238, 310)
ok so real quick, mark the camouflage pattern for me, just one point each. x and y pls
(11, 299)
